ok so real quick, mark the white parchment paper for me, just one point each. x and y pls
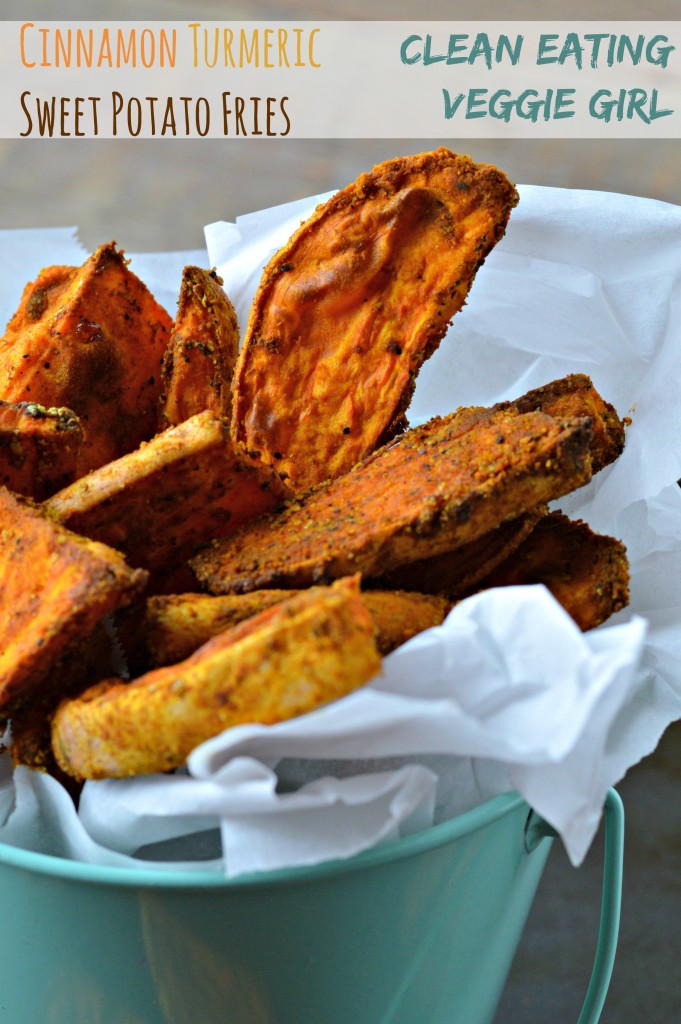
(507, 693)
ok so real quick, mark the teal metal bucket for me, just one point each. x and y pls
(423, 930)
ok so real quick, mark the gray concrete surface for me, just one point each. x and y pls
(156, 195)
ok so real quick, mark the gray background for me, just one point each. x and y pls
(154, 195)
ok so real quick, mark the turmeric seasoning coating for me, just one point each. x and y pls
(399, 615)
(454, 573)
(88, 661)
(316, 647)
(90, 339)
(199, 361)
(575, 395)
(54, 587)
(587, 572)
(39, 448)
(175, 625)
(353, 304)
(437, 487)
(158, 504)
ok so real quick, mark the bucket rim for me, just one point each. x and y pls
(152, 878)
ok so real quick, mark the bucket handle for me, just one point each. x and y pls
(611, 900)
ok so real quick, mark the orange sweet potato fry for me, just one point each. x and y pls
(572, 396)
(587, 572)
(86, 662)
(39, 448)
(54, 587)
(90, 339)
(176, 492)
(176, 625)
(363, 292)
(399, 615)
(198, 364)
(437, 487)
(454, 573)
(312, 649)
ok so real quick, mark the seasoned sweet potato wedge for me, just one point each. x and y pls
(39, 448)
(176, 625)
(86, 663)
(314, 648)
(54, 587)
(176, 492)
(572, 396)
(363, 292)
(586, 572)
(437, 487)
(198, 364)
(399, 615)
(454, 573)
(90, 339)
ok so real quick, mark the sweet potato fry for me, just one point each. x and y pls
(176, 625)
(399, 615)
(435, 488)
(570, 397)
(586, 572)
(176, 492)
(362, 292)
(86, 663)
(314, 648)
(54, 587)
(573, 396)
(90, 339)
(39, 448)
(454, 573)
(198, 364)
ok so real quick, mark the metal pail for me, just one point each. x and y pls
(417, 931)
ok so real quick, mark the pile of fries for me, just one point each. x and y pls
(247, 532)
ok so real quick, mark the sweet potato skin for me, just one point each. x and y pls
(90, 339)
(39, 448)
(312, 649)
(437, 487)
(54, 588)
(363, 291)
(176, 492)
(198, 364)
